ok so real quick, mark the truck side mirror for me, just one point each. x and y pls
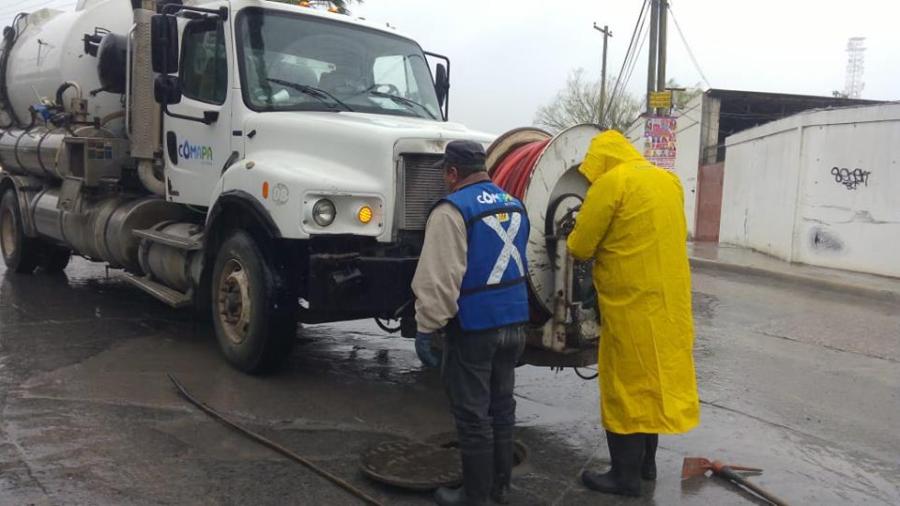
(164, 43)
(167, 90)
(441, 83)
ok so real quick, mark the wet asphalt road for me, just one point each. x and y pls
(803, 383)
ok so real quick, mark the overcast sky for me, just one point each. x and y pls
(509, 57)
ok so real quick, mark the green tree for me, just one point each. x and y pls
(580, 102)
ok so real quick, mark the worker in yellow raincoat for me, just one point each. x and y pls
(632, 225)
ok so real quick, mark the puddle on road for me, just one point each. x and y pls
(354, 375)
(704, 305)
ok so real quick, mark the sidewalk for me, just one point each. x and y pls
(745, 261)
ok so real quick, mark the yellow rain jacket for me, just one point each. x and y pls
(632, 225)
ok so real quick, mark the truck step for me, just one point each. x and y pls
(193, 243)
(163, 293)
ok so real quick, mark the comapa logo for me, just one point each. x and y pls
(188, 151)
(493, 198)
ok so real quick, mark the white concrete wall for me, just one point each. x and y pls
(759, 194)
(688, 156)
(781, 195)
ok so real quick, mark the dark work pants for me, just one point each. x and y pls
(479, 375)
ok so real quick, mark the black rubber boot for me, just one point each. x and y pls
(504, 452)
(478, 473)
(626, 451)
(648, 469)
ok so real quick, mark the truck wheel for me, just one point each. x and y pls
(54, 258)
(20, 252)
(255, 324)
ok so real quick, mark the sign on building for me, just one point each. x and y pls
(660, 146)
(661, 99)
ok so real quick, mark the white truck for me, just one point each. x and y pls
(263, 163)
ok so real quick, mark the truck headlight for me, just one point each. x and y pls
(324, 212)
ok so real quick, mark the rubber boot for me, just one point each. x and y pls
(648, 469)
(504, 453)
(478, 473)
(626, 451)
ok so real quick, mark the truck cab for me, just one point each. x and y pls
(314, 132)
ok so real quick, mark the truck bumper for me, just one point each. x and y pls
(349, 286)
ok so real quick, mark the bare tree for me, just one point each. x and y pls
(579, 102)
(682, 95)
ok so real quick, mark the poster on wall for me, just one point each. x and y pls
(659, 141)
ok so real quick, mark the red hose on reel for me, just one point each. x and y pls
(514, 172)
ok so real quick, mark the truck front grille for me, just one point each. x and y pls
(422, 186)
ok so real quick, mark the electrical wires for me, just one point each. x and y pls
(638, 37)
(688, 47)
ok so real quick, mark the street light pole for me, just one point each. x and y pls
(606, 35)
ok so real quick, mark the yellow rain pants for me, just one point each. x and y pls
(632, 225)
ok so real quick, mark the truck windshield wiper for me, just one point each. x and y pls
(317, 93)
(402, 100)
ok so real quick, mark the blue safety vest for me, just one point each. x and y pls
(494, 292)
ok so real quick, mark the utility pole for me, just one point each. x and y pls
(663, 25)
(651, 60)
(606, 35)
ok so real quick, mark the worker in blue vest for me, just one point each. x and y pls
(471, 283)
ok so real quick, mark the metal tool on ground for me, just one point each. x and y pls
(698, 466)
(359, 494)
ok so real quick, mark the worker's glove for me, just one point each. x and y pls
(423, 349)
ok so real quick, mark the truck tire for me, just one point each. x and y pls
(254, 318)
(20, 252)
(54, 259)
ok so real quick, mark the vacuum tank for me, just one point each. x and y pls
(48, 48)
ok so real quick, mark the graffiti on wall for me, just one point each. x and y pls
(824, 240)
(851, 179)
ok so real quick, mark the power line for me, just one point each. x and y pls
(630, 55)
(642, 36)
(688, 47)
(634, 61)
(631, 42)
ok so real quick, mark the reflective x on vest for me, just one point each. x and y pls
(509, 248)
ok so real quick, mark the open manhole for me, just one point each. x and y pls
(421, 465)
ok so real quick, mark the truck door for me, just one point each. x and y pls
(197, 133)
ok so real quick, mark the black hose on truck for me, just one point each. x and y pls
(10, 36)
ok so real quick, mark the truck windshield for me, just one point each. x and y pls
(295, 62)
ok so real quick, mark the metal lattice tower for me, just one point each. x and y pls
(855, 67)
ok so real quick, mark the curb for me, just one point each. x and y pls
(886, 295)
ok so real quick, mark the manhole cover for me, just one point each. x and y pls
(449, 440)
(412, 465)
(422, 466)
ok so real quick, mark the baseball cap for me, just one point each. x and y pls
(462, 154)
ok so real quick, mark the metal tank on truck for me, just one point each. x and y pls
(261, 163)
